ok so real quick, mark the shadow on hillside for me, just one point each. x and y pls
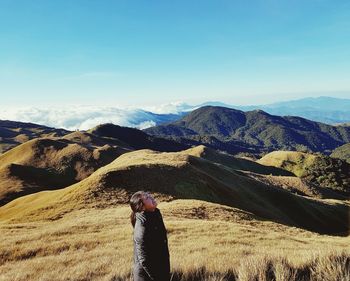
(209, 182)
(37, 179)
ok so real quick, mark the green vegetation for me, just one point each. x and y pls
(293, 161)
(342, 152)
(319, 170)
(330, 173)
(255, 131)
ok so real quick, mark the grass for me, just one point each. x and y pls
(224, 244)
(83, 232)
(181, 175)
(293, 161)
(52, 163)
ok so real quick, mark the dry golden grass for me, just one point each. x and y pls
(206, 241)
(52, 163)
(236, 163)
(14, 133)
(293, 184)
(181, 175)
(82, 232)
(293, 161)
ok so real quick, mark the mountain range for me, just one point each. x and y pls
(322, 109)
(46, 173)
(253, 131)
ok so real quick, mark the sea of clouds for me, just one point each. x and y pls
(84, 117)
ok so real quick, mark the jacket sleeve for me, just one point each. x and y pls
(141, 246)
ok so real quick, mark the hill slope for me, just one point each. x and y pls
(51, 163)
(13, 133)
(257, 130)
(180, 175)
(207, 241)
(342, 152)
(320, 170)
(135, 138)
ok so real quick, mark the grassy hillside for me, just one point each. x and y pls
(236, 163)
(320, 170)
(181, 175)
(207, 241)
(227, 218)
(342, 152)
(13, 133)
(55, 162)
(51, 163)
(295, 162)
(256, 130)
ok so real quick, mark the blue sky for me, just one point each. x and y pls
(152, 52)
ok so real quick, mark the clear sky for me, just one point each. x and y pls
(151, 52)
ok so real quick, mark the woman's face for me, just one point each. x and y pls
(149, 203)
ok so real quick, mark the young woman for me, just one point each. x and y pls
(151, 253)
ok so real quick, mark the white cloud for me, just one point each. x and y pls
(146, 124)
(170, 108)
(85, 117)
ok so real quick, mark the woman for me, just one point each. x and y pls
(151, 253)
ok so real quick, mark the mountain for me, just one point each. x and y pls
(135, 138)
(254, 130)
(13, 133)
(342, 152)
(322, 109)
(181, 175)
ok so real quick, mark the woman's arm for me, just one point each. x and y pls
(142, 248)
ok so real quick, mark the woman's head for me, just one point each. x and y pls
(141, 201)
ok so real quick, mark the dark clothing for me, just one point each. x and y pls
(151, 253)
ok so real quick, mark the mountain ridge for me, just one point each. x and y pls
(256, 129)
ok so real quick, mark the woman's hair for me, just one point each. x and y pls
(136, 205)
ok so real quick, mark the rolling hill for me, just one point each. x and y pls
(135, 138)
(51, 163)
(255, 131)
(13, 133)
(181, 175)
(321, 171)
(62, 158)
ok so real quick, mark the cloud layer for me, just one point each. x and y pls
(86, 117)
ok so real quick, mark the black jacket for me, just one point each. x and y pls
(151, 253)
